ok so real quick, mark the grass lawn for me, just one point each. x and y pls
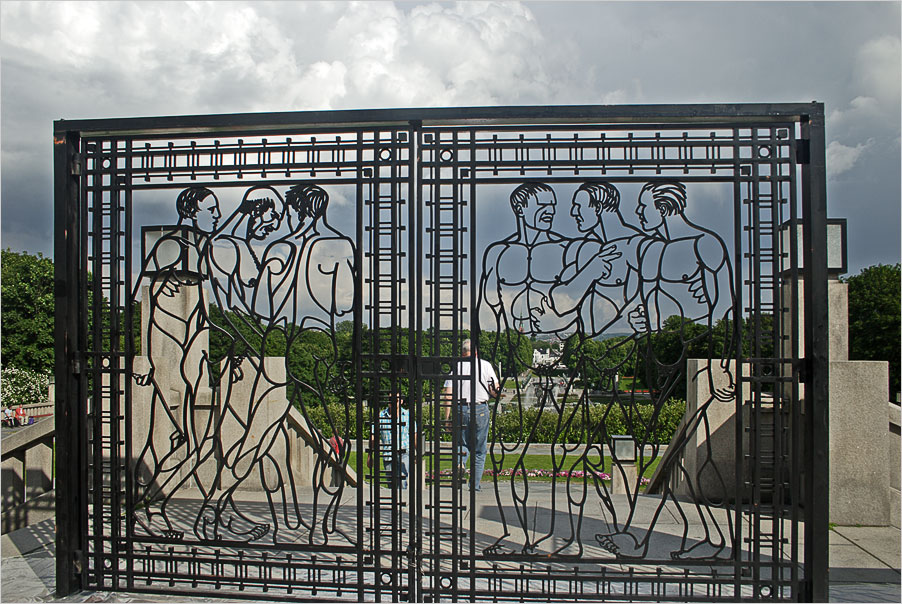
(534, 462)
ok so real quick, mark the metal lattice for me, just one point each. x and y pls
(244, 300)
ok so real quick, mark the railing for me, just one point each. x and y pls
(895, 447)
(39, 410)
(28, 475)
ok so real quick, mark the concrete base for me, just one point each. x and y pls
(38, 509)
(895, 463)
(859, 443)
(623, 479)
(709, 454)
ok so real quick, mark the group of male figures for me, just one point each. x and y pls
(274, 268)
(613, 274)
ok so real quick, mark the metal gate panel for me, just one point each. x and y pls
(228, 371)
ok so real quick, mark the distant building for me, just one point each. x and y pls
(549, 356)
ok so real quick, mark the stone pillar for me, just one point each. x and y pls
(38, 469)
(895, 454)
(13, 481)
(716, 480)
(859, 443)
(860, 465)
(837, 309)
(623, 478)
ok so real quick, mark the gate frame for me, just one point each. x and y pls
(71, 492)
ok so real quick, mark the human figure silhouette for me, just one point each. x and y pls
(517, 277)
(168, 271)
(685, 271)
(303, 283)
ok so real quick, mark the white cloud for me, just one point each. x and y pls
(878, 68)
(117, 59)
(841, 158)
(877, 77)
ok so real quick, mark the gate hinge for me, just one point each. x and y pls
(78, 560)
(75, 364)
(803, 151)
(76, 164)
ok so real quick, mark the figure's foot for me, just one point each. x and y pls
(244, 529)
(496, 549)
(226, 532)
(157, 526)
(700, 551)
(622, 545)
(258, 531)
(212, 527)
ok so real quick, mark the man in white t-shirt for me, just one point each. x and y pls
(472, 396)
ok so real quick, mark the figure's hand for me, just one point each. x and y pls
(143, 379)
(536, 314)
(607, 255)
(638, 320)
(724, 393)
(236, 374)
(168, 288)
(697, 289)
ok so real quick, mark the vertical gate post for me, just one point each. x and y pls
(69, 475)
(814, 241)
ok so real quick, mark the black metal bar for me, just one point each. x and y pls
(739, 434)
(94, 363)
(414, 351)
(790, 322)
(130, 351)
(473, 313)
(817, 389)
(225, 123)
(358, 363)
(449, 161)
(69, 490)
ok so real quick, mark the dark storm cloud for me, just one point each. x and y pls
(66, 60)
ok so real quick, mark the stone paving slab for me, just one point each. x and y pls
(884, 543)
(864, 560)
(29, 578)
(864, 592)
(30, 539)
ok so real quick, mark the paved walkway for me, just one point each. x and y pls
(864, 562)
(864, 567)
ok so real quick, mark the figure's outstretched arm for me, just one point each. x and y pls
(715, 289)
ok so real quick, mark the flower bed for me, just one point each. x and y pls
(537, 474)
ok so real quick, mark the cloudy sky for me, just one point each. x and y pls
(97, 60)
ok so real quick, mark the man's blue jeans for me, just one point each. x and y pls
(402, 470)
(473, 440)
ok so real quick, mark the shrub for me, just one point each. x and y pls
(23, 387)
(575, 425)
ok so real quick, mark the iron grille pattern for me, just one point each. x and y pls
(428, 234)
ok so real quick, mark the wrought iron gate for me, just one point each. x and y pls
(288, 345)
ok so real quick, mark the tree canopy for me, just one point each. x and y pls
(874, 317)
(27, 309)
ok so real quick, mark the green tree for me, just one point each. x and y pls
(874, 317)
(27, 309)
(509, 351)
